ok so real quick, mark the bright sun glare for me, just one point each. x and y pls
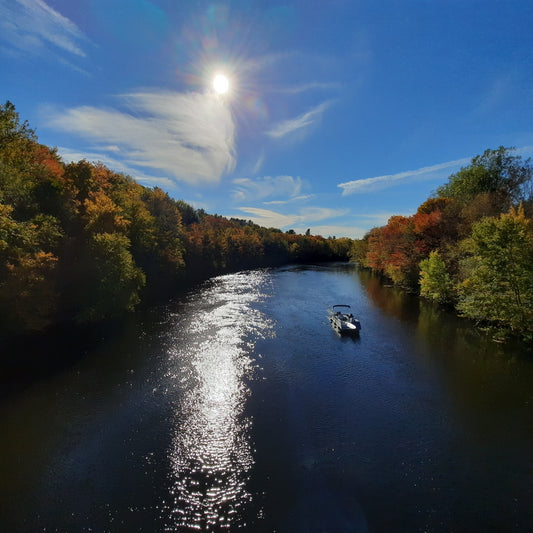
(221, 84)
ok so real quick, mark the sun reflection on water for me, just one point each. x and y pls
(211, 455)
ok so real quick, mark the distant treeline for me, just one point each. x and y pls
(81, 243)
(469, 246)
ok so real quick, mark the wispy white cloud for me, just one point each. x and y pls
(305, 217)
(300, 198)
(268, 218)
(299, 123)
(68, 155)
(33, 27)
(190, 137)
(257, 189)
(383, 182)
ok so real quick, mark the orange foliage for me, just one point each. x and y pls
(397, 248)
(49, 160)
(424, 222)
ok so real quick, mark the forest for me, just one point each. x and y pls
(468, 247)
(80, 243)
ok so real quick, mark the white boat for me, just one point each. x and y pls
(343, 321)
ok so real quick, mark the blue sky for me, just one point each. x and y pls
(339, 113)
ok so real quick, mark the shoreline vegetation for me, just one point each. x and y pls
(469, 247)
(82, 245)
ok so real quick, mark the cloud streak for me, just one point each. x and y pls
(306, 216)
(260, 188)
(382, 182)
(187, 136)
(31, 26)
(268, 218)
(301, 122)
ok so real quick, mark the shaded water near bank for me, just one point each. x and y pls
(238, 407)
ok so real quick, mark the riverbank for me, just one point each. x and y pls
(498, 333)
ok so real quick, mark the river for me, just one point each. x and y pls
(237, 407)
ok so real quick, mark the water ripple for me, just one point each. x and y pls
(211, 455)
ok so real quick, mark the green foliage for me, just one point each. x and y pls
(167, 230)
(435, 282)
(499, 285)
(188, 213)
(340, 248)
(358, 251)
(116, 280)
(496, 172)
(17, 146)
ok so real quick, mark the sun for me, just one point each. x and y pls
(221, 84)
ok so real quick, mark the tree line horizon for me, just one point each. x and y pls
(80, 243)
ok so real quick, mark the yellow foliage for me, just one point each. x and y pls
(102, 215)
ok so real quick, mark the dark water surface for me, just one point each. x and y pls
(238, 407)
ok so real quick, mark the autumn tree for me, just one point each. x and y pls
(102, 215)
(392, 250)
